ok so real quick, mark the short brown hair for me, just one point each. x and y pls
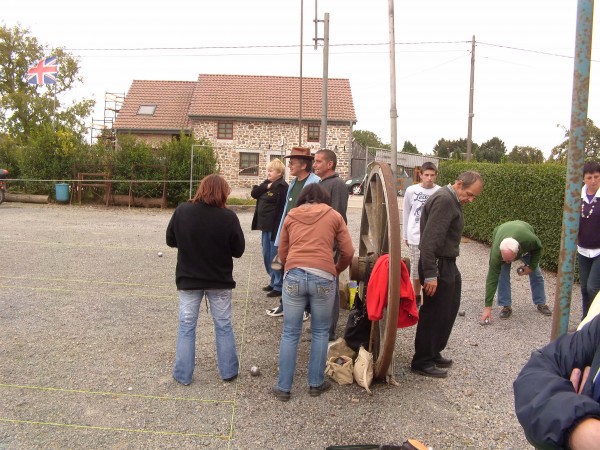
(213, 191)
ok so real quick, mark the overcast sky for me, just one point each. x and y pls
(523, 67)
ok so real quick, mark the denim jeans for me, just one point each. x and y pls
(299, 289)
(269, 252)
(536, 281)
(220, 308)
(589, 279)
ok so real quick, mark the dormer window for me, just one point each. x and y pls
(146, 110)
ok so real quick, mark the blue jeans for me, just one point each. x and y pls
(269, 252)
(589, 279)
(300, 289)
(536, 281)
(220, 308)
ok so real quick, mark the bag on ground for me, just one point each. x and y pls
(363, 369)
(340, 369)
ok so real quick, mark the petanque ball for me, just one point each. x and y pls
(461, 313)
(159, 254)
(254, 371)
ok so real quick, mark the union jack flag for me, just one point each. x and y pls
(44, 72)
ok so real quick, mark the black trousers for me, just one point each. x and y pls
(437, 314)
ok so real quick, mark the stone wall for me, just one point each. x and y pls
(267, 139)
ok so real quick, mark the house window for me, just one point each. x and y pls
(146, 110)
(225, 130)
(314, 133)
(249, 164)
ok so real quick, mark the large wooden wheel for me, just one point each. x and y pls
(380, 234)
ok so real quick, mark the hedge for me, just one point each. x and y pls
(531, 192)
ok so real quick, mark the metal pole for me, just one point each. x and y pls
(471, 92)
(393, 111)
(325, 81)
(575, 160)
(300, 100)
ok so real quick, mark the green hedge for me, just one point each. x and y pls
(530, 192)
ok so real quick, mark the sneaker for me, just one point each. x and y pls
(281, 395)
(316, 391)
(305, 316)
(506, 312)
(544, 310)
(275, 312)
(268, 288)
(274, 293)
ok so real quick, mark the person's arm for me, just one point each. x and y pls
(259, 189)
(170, 235)
(406, 206)
(284, 243)
(345, 247)
(546, 403)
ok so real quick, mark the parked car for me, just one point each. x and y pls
(356, 185)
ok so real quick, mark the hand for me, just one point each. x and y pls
(269, 185)
(486, 316)
(577, 380)
(586, 435)
(429, 287)
(526, 270)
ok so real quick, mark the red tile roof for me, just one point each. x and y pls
(172, 100)
(232, 96)
(270, 97)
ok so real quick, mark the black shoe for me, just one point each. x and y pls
(230, 379)
(432, 371)
(442, 362)
(316, 391)
(268, 288)
(274, 293)
(281, 395)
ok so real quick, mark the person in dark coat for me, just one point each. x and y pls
(207, 236)
(270, 201)
(557, 393)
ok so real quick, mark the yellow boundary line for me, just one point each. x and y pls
(129, 430)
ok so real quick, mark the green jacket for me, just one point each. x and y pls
(523, 233)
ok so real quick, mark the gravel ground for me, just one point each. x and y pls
(88, 321)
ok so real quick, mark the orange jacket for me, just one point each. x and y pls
(377, 291)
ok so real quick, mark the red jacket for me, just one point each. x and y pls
(377, 291)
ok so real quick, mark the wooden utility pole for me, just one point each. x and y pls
(300, 99)
(393, 110)
(325, 81)
(471, 92)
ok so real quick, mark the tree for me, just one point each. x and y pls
(493, 151)
(591, 148)
(525, 155)
(451, 149)
(25, 107)
(368, 139)
(409, 147)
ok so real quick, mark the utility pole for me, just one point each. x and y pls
(300, 100)
(393, 111)
(471, 92)
(323, 137)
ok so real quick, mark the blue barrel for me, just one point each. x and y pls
(62, 192)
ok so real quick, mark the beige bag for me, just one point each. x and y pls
(340, 348)
(363, 369)
(340, 369)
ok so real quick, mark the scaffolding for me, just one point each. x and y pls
(102, 129)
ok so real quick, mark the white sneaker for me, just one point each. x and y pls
(306, 316)
(275, 312)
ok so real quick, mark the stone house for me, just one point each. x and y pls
(248, 119)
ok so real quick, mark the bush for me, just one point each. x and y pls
(533, 193)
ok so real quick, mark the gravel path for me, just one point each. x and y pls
(87, 338)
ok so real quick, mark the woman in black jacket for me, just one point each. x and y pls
(207, 236)
(270, 196)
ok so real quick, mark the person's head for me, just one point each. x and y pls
(213, 191)
(275, 170)
(467, 186)
(428, 175)
(325, 163)
(509, 249)
(313, 193)
(300, 162)
(591, 176)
